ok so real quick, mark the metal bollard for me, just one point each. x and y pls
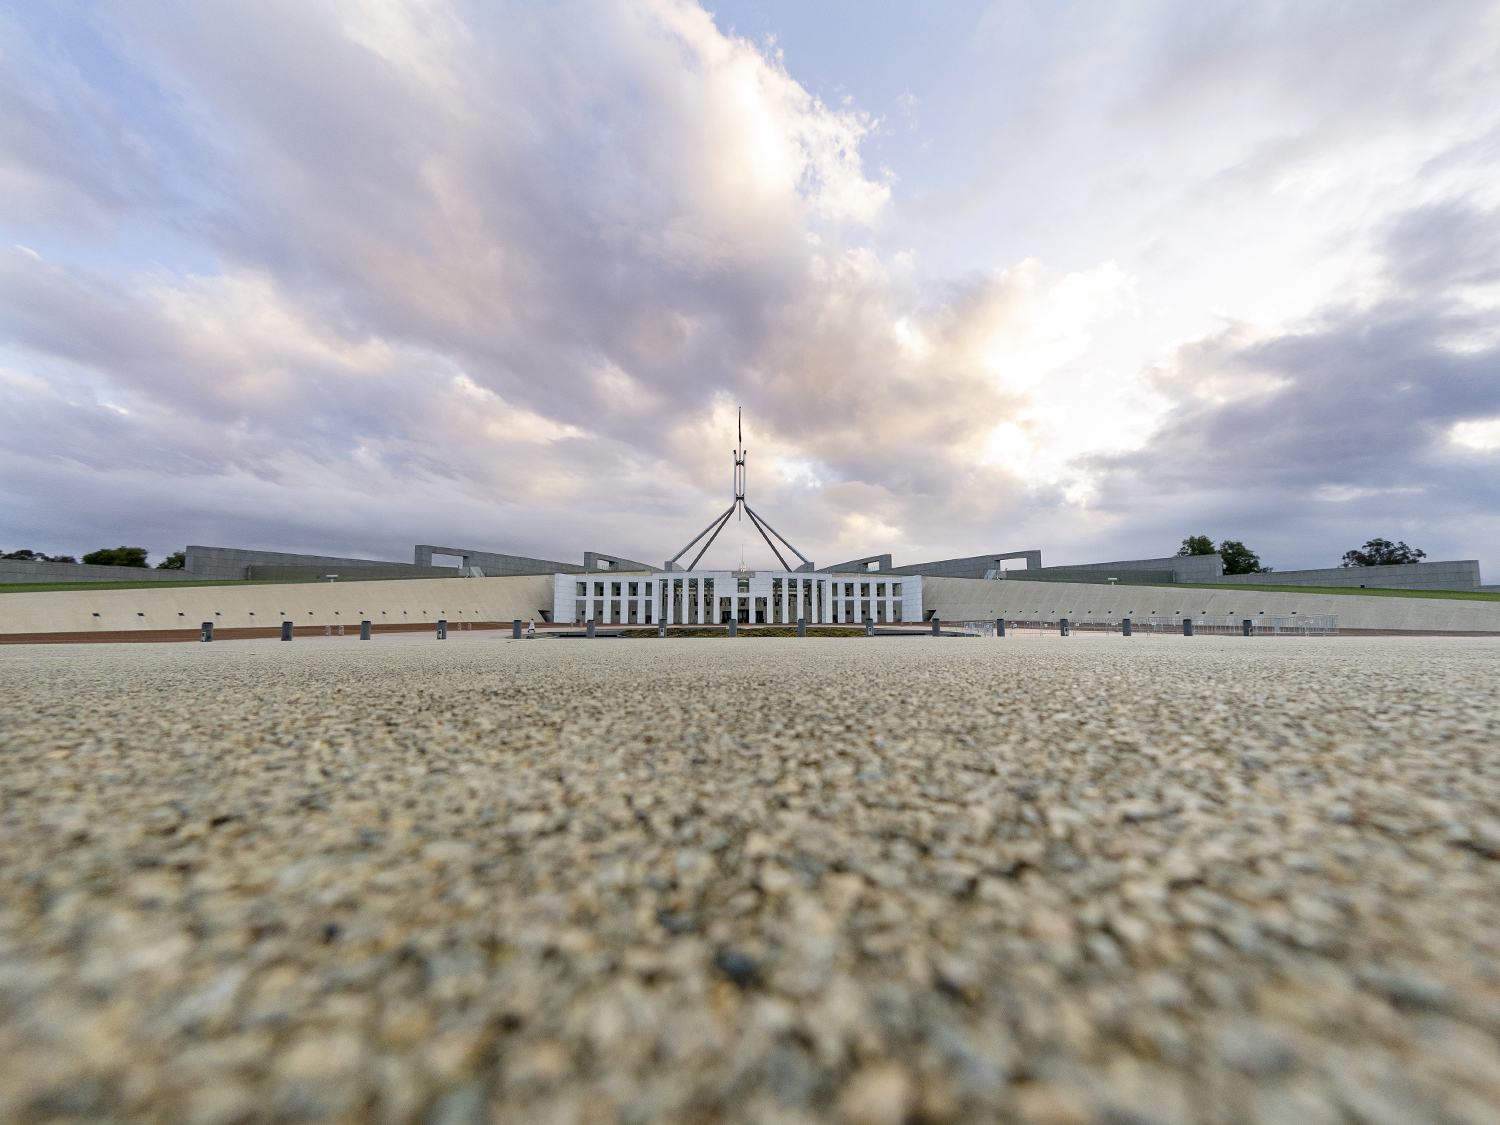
(1125, 627)
(341, 630)
(999, 626)
(801, 626)
(869, 627)
(661, 628)
(734, 627)
(364, 630)
(206, 632)
(1248, 626)
(589, 628)
(1187, 626)
(442, 631)
(937, 627)
(328, 630)
(286, 630)
(515, 629)
(1062, 626)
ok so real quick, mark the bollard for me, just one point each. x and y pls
(515, 629)
(1125, 627)
(328, 630)
(341, 630)
(442, 632)
(734, 627)
(1187, 626)
(1062, 626)
(364, 630)
(661, 628)
(937, 627)
(869, 627)
(286, 630)
(206, 633)
(1248, 626)
(999, 626)
(801, 626)
(589, 628)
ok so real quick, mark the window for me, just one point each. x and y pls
(634, 589)
(895, 589)
(582, 590)
(614, 589)
(864, 589)
(880, 590)
(743, 587)
(848, 589)
(598, 589)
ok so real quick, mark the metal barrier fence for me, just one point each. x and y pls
(1261, 625)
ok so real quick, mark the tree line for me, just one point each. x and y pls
(1239, 559)
(105, 556)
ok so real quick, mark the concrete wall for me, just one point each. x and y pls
(231, 562)
(357, 573)
(961, 599)
(16, 570)
(1455, 575)
(974, 566)
(495, 565)
(239, 607)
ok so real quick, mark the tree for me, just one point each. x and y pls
(1382, 552)
(117, 556)
(1240, 559)
(37, 556)
(177, 560)
(1196, 545)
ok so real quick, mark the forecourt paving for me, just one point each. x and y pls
(1034, 879)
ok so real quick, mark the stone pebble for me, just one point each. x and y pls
(1035, 880)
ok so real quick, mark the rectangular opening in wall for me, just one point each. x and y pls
(880, 611)
(864, 610)
(760, 611)
(726, 610)
(848, 610)
(581, 589)
(896, 611)
(580, 609)
(447, 560)
(633, 610)
(614, 612)
(895, 589)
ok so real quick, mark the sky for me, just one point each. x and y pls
(1088, 277)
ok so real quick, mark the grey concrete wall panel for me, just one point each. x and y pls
(18, 570)
(494, 565)
(594, 560)
(231, 562)
(1086, 574)
(853, 565)
(367, 573)
(975, 566)
(1458, 574)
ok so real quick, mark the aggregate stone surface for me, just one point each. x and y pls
(1150, 881)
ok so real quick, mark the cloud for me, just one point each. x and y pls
(1345, 424)
(346, 277)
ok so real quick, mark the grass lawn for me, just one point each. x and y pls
(1446, 595)
(170, 584)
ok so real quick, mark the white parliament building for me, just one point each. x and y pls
(748, 597)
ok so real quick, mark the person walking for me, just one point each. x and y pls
(531, 628)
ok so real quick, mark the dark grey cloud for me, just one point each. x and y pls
(1340, 429)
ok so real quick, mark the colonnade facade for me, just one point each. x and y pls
(747, 597)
